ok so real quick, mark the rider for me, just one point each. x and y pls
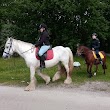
(95, 45)
(43, 43)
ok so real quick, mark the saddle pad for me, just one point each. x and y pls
(101, 55)
(49, 54)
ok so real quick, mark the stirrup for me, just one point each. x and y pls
(42, 66)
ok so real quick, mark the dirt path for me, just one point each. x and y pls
(56, 98)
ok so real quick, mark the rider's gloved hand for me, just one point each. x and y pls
(36, 45)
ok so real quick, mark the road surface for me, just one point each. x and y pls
(15, 98)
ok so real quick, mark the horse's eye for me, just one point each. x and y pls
(7, 47)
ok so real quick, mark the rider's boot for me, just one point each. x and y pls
(42, 61)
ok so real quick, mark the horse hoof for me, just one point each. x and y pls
(68, 81)
(26, 89)
(29, 88)
(48, 80)
(90, 76)
(56, 77)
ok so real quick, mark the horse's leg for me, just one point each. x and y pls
(44, 76)
(68, 79)
(32, 84)
(57, 74)
(90, 72)
(104, 67)
(96, 70)
(88, 69)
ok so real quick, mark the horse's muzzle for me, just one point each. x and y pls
(5, 56)
(78, 54)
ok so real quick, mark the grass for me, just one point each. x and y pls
(15, 72)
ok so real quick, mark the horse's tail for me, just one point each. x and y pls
(104, 61)
(70, 60)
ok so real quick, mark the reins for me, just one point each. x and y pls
(10, 47)
(28, 50)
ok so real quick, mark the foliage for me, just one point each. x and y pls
(69, 21)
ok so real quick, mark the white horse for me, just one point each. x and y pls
(27, 51)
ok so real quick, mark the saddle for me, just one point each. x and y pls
(48, 55)
(101, 55)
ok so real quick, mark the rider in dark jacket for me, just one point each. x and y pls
(95, 45)
(44, 38)
(43, 43)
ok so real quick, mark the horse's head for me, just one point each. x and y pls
(80, 50)
(8, 51)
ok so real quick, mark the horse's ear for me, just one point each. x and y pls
(11, 38)
(78, 45)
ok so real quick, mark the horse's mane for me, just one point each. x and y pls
(87, 48)
(22, 42)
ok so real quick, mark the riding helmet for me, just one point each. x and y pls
(94, 34)
(43, 26)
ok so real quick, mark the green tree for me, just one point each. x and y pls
(69, 21)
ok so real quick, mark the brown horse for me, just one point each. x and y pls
(90, 60)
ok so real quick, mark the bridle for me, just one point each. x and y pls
(80, 51)
(8, 53)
